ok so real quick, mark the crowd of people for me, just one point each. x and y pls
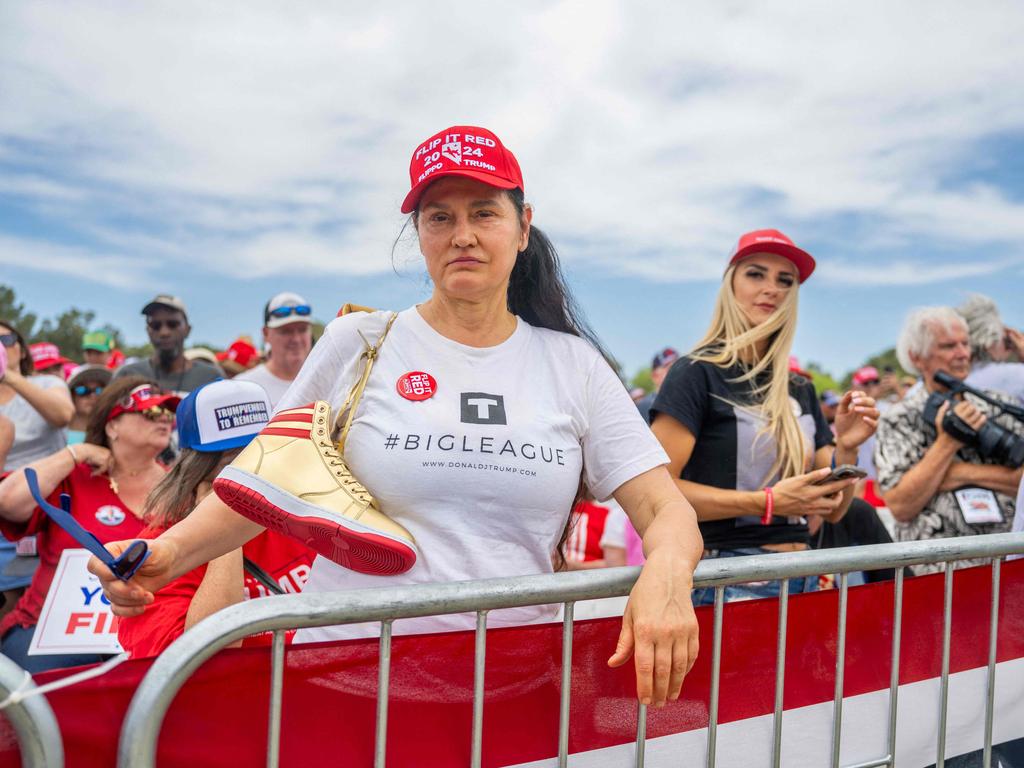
(483, 433)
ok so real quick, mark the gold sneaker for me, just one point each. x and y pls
(291, 479)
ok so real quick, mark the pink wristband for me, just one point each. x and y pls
(769, 506)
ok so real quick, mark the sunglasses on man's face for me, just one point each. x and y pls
(8, 339)
(302, 310)
(156, 325)
(82, 390)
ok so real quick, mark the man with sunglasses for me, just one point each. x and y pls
(288, 338)
(167, 326)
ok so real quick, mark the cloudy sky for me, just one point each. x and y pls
(224, 151)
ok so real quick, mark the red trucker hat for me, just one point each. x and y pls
(773, 241)
(462, 150)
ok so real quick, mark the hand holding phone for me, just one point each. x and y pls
(842, 472)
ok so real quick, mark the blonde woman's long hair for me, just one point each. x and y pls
(731, 340)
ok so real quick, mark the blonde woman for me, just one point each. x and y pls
(746, 439)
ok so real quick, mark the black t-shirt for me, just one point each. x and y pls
(729, 452)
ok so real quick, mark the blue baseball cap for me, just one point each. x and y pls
(222, 415)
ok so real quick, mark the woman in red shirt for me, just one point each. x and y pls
(214, 423)
(108, 478)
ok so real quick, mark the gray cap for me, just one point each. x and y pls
(165, 300)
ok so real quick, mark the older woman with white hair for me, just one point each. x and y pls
(992, 346)
(937, 485)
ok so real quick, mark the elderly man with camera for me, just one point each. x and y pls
(948, 455)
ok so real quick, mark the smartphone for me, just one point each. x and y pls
(842, 472)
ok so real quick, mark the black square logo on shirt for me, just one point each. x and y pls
(482, 408)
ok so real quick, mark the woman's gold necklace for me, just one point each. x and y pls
(113, 483)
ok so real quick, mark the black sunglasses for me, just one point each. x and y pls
(8, 339)
(156, 325)
(82, 390)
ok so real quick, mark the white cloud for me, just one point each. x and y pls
(111, 269)
(651, 135)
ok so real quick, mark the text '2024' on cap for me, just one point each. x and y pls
(462, 150)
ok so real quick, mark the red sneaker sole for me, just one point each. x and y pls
(356, 550)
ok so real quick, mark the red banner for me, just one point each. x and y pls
(220, 716)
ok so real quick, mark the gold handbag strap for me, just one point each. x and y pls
(348, 410)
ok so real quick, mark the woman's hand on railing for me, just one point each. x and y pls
(130, 598)
(659, 629)
(799, 495)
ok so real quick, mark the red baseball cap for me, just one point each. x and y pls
(866, 374)
(462, 150)
(142, 399)
(46, 355)
(773, 241)
(794, 367)
(240, 356)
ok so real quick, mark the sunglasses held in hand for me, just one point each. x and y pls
(124, 567)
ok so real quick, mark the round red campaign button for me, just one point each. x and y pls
(416, 385)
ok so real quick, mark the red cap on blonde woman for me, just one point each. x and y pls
(773, 241)
(462, 150)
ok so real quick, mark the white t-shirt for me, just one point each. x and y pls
(34, 438)
(274, 386)
(484, 472)
(615, 526)
(1006, 378)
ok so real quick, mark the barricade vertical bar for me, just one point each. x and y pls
(947, 623)
(780, 673)
(383, 686)
(894, 670)
(837, 705)
(641, 734)
(276, 684)
(478, 688)
(993, 630)
(716, 664)
(563, 708)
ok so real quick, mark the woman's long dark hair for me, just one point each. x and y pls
(175, 495)
(537, 290)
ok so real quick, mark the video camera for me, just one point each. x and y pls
(991, 441)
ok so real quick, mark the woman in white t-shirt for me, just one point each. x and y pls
(38, 406)
(484, 471)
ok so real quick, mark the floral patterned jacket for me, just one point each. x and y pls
(903, 438)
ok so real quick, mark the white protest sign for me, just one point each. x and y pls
(76, 618)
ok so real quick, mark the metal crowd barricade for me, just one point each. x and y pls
(137, 748)
(33, 721)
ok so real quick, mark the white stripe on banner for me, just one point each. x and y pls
(807, 731)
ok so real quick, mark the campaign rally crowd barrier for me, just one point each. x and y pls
(903, 673)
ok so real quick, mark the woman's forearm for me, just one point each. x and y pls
(674, 530)
(16, 502)
(222, 585)
(712, 503)
(211, 530)
(54, 405)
